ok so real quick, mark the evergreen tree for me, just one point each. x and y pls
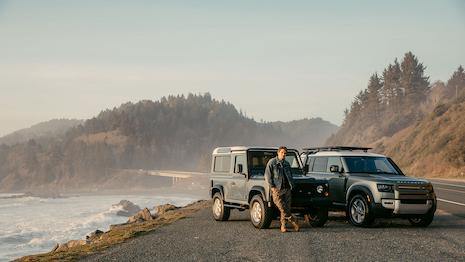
(392, 93)
(457, 82)
(373, 99)
(413, 81)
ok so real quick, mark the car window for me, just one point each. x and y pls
(240, 160)
(222, 163)
(320, 164)
(259, 159)
(334, 161)
(292, 159)
(372, 165)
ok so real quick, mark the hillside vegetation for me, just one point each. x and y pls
(45, 130)
(175, 132)
(419, 124)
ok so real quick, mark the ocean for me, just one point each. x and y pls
(31, 225)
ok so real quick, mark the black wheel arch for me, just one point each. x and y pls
(360, 189)
(257, 190)
(217, 189)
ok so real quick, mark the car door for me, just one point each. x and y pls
(238, 185)
(336, 181)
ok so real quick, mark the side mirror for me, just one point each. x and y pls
(240, 168)
(334, 169)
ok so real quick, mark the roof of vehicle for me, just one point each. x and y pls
(346, 153)
(227, 150)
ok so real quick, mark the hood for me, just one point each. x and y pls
(396, 179)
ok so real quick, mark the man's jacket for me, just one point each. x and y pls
(274, 172)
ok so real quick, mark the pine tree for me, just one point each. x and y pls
(457, 82)
(373, 99)
(413, 81)
(392, 92)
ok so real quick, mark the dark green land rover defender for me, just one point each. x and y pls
(237, 182)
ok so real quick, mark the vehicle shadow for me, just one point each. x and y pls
(338, 220)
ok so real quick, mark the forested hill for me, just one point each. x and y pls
(175, 132)
(45, 130)
(402, 114)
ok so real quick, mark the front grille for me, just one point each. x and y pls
(413, 201)
(414, 193)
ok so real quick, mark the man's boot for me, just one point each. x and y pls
(294, 224)
(283, 227)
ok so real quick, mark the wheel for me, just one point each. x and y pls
(360, 212)
(317, 217)
(422, 221)
(260, 214)
(220, 212)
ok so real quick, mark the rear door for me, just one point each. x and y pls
(319, 169)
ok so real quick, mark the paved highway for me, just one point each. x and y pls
(451, 195)
(200, 238)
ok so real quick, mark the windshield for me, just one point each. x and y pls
(259, 159)
(372, 165)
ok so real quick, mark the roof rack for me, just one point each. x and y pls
(313, 150)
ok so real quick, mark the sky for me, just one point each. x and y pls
(274, 60)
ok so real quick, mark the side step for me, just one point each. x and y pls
(237, 206)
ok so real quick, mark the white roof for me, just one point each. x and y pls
(346, 153)
(227, 150)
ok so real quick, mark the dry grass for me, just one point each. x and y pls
(434, 147)
(118, 235)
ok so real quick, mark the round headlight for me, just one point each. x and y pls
(320, 189)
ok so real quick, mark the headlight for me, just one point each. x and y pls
(320, 189)
(385, 188)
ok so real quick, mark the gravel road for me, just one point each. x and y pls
(200, 238)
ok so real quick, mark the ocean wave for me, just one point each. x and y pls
(31, 225)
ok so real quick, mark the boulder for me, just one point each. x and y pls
(141, 216)
(70, 244)
(127, 208)
(94, 236)
(161, 209)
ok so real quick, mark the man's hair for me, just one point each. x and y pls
(281, 148)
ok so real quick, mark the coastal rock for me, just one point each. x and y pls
(141, 216)
(55, 247)
(128, 208)
(70, 244)
(94, 236)
(161, 209)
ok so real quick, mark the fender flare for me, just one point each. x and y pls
(259, 189)
(217, 188)
(363, 189)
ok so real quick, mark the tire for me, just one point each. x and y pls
(360, 212)
(219, 211)
(260, 214)
(422, 221)
(317, 217)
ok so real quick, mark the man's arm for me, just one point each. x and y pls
(268, 174)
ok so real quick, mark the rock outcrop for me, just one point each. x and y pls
(161, 209)
(94, 236)
(141, 216)
(128, 208)
(69, 244)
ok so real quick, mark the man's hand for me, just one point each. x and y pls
(273, 190)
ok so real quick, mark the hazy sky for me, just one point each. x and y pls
(274, 60)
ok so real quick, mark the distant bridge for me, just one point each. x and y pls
(176, 175)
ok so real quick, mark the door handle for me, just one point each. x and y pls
(233, 183)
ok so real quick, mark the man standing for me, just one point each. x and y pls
(279, 177)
